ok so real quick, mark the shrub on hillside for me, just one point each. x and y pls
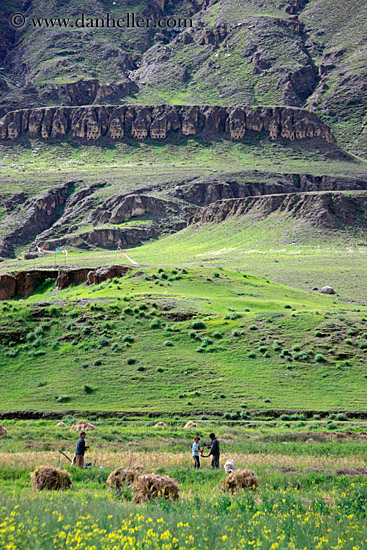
(197, 325)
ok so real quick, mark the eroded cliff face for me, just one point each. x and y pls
(75, 215)
(38, 214)
(89, 124)
(24, 283)
(329, 210)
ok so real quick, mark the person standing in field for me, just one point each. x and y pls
(214, 452)
(196, 452)
(81, 447)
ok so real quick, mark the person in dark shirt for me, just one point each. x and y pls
(81, 447)
(214, 451)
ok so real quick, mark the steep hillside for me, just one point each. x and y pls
(304, 240)
(257, 52)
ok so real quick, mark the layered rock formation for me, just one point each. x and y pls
(89, 124)
(162, 215)
(109, 237)
(76, 215)
(329, 210)
(120, 208)
(205, 191)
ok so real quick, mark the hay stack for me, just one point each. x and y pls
(121, 476)
(190, 424)
(50, 478)
(151, 486)
(230, 466)
(160, 424)
(3, 431)
(82, 426)
(238, 480)
(61, 425)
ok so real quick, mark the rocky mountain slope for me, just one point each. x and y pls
(268, 73)
(80, 216)
(255, 52)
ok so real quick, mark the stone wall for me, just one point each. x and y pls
(88, 124)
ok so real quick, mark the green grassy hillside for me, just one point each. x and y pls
(218, 340)
(286, 250)
(279, 247)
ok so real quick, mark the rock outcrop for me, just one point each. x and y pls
(160, 215)
(24, 283)
(71, 277)
(205, 191)
(89, 124)
(104, 273)
(8, 286)
(109, 237)
(37, 214)
(121, 208)
(329, 210)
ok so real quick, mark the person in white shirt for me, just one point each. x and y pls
(196, 452)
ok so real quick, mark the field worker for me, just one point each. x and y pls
(81, 447)
(214, 452)
(196, 452)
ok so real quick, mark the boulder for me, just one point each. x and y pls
(327, 290)
(107, 272)
(71, 277)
